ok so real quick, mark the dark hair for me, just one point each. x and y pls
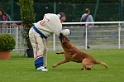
(2, 11)
(61, 14)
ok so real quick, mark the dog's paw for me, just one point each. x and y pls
(88, 68)
(53, 66)
(82, 69)
(57, 53)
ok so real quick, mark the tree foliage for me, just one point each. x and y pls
(71, 1)
(76, 1)
(28, 18)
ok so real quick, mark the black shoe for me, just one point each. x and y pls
(88, 47)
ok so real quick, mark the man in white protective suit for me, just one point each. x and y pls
(51, 23)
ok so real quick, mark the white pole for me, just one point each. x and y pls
(10, 29)
(86, 36)
(119, 33)
(16, 35)
(54, 42)
(20, 40)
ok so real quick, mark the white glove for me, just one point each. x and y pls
(66, 32)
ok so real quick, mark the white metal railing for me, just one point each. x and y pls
(102, 34)
(14, 28)
(119, 25)
(106, 22)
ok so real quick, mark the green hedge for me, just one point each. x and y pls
(7, 42)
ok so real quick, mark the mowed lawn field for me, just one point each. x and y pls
(21, 69)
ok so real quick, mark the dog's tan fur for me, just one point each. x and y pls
(73, 54)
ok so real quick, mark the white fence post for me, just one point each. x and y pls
(119, 33)
(16, 36)
(86, 36)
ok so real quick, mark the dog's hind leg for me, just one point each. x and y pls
(84, 65)
(87, 64)
(62, 62)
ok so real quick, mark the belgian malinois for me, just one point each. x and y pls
(73, 54)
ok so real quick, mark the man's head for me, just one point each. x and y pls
(62, 16)
(87, 10)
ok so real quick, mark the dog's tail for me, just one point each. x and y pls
(102, 63)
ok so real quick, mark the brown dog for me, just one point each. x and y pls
(75, 55)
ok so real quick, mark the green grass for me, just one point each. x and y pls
(21, 69)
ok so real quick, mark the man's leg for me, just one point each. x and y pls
(45, 53)
(38, 48)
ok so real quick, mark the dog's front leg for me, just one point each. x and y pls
(59, 52)
(62, 62)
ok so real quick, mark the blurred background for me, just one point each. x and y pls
(104, 35)
(101, 10)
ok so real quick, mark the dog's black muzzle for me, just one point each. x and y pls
(61, 36)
